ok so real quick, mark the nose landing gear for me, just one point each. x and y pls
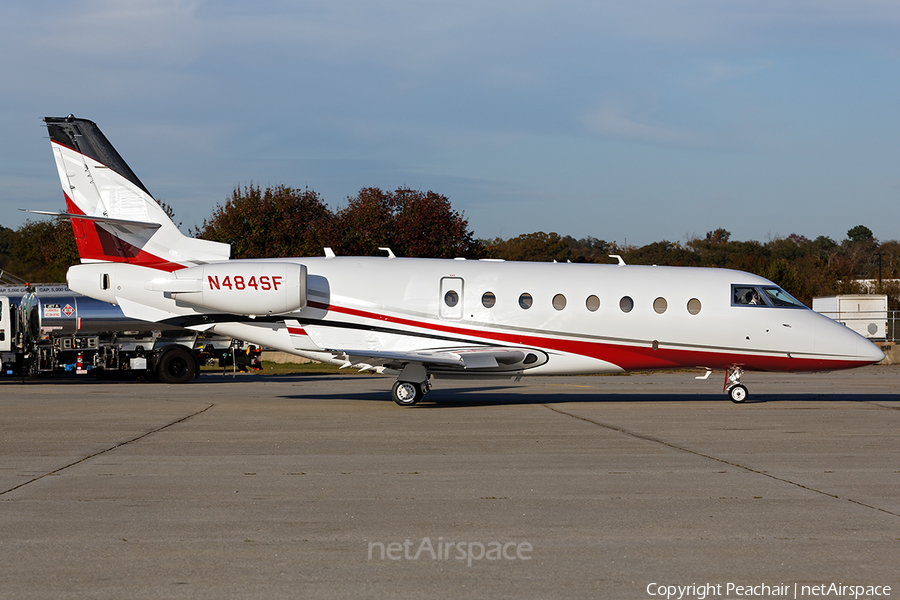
(736, 391)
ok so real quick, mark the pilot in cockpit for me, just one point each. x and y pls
(748, 296)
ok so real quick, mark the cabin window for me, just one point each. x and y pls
(592, 303)
(626, 304)
(693, 306)
(488, 300)
(104, 281)
(559, 302)
(451, 298)
(525, 300)
(660, 305)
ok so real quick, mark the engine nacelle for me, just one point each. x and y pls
(238, 287)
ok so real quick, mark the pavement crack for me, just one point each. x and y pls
(655, 440)
(882, 405)
(110, 449)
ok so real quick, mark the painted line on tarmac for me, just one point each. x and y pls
(110, 449)
(649, 438)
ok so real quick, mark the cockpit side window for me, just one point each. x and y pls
(763, 295)
(747, 295)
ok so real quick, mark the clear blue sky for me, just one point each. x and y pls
(642, 120)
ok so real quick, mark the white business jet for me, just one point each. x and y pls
(423, 319)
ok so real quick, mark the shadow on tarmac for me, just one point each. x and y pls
(461, 397)
(495, 396)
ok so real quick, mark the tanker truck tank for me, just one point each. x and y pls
(76, 315)
(53, 331)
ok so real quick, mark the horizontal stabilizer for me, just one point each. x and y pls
(71, 216)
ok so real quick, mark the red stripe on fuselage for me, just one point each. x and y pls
(629, 358)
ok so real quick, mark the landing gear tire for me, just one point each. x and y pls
(407, 393)
(738, 394)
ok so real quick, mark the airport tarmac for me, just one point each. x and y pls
(557, 487)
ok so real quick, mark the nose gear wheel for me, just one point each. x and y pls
(736, 391)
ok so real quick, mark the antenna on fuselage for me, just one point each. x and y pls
(618, 258)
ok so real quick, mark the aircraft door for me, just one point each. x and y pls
(451, 300)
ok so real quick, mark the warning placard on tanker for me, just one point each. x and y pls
(52, 311)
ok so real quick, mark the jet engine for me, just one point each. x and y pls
(237, 287)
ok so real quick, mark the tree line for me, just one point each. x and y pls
(281, 221)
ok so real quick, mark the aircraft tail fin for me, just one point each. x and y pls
(114, 217)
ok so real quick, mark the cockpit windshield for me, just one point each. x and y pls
(763, 295)
(779, 297)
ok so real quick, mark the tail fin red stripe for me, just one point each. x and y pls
(95, 242)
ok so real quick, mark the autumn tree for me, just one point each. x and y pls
(783, 274)
(409, 222)
(662, 253)
(860, 250)
(719, 236)
(276, 222)
(42, 251)
(7, 242)
(890, 254)
(590, 249)
(718, 250)
(537, 246)
(860, 233)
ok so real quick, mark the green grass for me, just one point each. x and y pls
(272, 368)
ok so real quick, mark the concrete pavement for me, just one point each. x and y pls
(563, 487)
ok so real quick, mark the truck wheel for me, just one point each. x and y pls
(176, 366)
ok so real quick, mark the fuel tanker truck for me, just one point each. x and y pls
(49, 330)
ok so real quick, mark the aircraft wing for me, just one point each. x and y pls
(487, 359)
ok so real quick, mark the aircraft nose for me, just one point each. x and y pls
(871, 352)
(840, 340)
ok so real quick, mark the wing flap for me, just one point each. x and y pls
(489, 359)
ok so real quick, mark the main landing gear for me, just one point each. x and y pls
(733, 387)
(412, 385)
(408, 393)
